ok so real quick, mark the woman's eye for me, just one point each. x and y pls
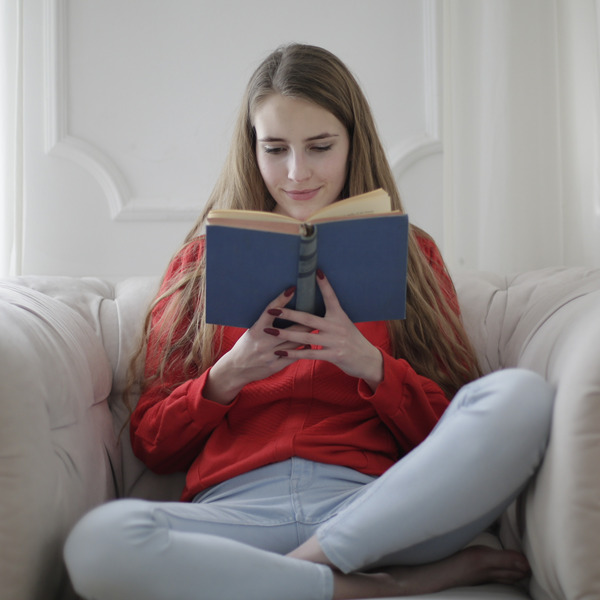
(274, 149)
(282, 149)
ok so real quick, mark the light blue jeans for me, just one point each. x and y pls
(230, 543)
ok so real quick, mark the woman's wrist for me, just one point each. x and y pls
(373, 375)
(220, 385)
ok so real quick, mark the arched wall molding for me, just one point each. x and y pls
(122, 203)
(57, 140)
(413, 149)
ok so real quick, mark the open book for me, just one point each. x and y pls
(359, 243)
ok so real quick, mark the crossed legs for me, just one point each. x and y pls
(457, 482)
(418, 515)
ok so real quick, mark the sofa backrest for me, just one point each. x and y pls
(517, 320)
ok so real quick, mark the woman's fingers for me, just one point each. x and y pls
(329, 296)
(308, 322)
(274, 308)
(333, 338)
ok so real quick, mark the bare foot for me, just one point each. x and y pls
(472, 566)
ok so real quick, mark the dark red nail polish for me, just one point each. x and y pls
(281, 353)
(290, 291)
(320, 274)
(274, 311)
(271, 331)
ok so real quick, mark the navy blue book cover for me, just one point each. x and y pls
(365, 260)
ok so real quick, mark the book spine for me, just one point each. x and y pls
(306, 286)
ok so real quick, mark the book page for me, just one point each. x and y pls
(371, 203)
(224, 214)
(375, 202)
(291, 227)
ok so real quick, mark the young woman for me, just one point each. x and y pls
(318, 462)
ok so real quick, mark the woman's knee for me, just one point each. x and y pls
(102, 542)
(520, 404)
(527, 393)
(506, 405)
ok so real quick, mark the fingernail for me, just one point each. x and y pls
(290, 291)
(274, 311)
(282, 353)
(271, 331)
(320, 274)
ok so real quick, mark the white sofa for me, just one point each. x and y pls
(64, 348)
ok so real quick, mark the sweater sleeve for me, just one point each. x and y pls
(408, 403)
(171, 422)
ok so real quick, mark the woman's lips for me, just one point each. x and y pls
(302, 194)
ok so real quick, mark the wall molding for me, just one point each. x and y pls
(122, 203)
(411, 150)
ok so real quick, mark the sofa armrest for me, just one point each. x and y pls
(562, 509)
(115, 312)
(57, 439)
(549, 321)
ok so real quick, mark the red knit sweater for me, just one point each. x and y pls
(311, 410)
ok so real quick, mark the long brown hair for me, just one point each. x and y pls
(432, 338)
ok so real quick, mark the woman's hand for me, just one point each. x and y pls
(264, 350)
(336, 338)
(260, 352)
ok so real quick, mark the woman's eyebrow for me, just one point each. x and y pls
(321, 136)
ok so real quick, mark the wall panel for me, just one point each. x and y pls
(129, 109)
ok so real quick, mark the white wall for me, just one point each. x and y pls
(128, 109)
(578, 33)
(521, 133)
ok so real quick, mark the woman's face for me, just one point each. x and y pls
(302, 153)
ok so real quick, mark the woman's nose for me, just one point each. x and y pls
(298, 168)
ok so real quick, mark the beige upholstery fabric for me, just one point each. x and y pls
(64, 350)
(56, 441)
(549, 321)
